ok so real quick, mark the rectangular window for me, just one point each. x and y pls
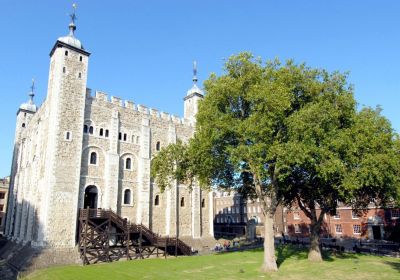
(296, 215)
(337, 215)
(2, 195)
(354, 214)
(357, 229)
(244, 209)
(1, 207)
(297, 228)
(338, 228)
(395, 213)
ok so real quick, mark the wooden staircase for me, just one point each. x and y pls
(104, 236)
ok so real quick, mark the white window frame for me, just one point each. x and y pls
(296, 215)
(354, 226)
(336, 229)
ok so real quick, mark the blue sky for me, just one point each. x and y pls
(143, 50)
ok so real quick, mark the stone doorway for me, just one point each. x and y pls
(90, 199)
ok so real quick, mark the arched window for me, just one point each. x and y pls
(80, 58)
(128, 163)
(182, 202)
(79, 75)
(23, 125)
(85, 129)
(101, 132)
(125, 136)
(107, 132)
(120, 136)
(137, 139)
(203, 203)
(63, 69)
(67, 135)
(158, 145)
(93, 158)
(66, 53)
(91, 129)
(157, 200)
(127, 197)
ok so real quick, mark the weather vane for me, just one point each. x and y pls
(32, 93)
(73, 15)
(194, 71)
(33, 86)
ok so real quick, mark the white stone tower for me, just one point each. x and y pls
(66, 99)
(192, 98)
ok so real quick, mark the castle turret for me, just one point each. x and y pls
(66, 100)
(192, 98)
(25, 113)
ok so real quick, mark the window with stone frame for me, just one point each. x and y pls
(93, 158)
(357, 229)
(1, 207)
(338, 228)
(101, 132)
(182, 202)
(157, 200)
(127, 197)
(128, 163)
(2, 195)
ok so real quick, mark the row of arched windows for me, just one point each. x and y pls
(127, 199)
(125, 137)
(182, 201)
(93, 161)
(89, 129)
(80, 57)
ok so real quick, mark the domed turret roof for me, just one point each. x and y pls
(70, 39)
(30, 105)
(195, 89)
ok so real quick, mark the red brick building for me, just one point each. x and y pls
(375, 223)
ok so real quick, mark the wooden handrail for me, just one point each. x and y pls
(125, 226)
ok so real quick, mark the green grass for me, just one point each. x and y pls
(293, 264)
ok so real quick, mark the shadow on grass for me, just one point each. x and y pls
(300, 253)
(394, 265)
(289, 251)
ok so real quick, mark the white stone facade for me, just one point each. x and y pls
(79, 150)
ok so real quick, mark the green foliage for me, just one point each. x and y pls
(172, 163)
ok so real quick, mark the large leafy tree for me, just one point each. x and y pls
(334, 154)
(262, 129)
(241, 121)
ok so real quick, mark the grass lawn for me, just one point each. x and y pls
(293, 264)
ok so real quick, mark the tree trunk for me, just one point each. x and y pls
(314, 254)
(269, 264)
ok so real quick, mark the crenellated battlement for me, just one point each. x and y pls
(130, 105)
